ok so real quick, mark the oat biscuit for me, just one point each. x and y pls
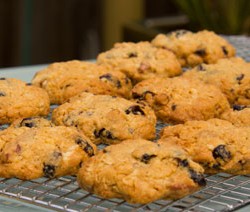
(63, 80)
(20, 100)
(192, 49)
(29, 153)
(106, 119)
(141, 171)
(232, 76)
(176, 100)
(215, 144)
(141, 60)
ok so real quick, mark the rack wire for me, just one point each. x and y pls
(224, 192)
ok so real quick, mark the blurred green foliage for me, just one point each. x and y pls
(221, 16)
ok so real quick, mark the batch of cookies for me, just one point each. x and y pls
(191, 81)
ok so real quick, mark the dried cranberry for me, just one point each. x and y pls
(173, 107)
(85, 146)
(200, 68)
(147, 157)
(197, 177)
(27, 122)
(200, 52)
(225, 51)
(106, 76)
(239, 78)
(110, 78)
(103, 133)
(143, 95)
(183, 163)
(132, 54)
(239, 107)
(135, 109)
(49, 170)
(221, 152)
(2, 93)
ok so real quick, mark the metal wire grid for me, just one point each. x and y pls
(242, 44)
(223, 192)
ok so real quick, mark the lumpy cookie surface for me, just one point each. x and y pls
(63, 80)
(232, 76)
(30, 153)
(141, 60)
(141, 171)
(195, 48)
(20, 100)
(176, 100)
(238, 115)
(31, 122)
(106, 119)
(215, 144)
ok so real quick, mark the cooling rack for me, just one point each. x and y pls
(224, 192)
(242, 44)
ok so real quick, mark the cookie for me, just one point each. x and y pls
(141, 61)
(176, 100)
(215, 144)
(32, 122)
(20, 100)
(30, 153)
(239, 115)
(63, 80)
(106, 119)
(192, 49)
(232, 76)
(140, 171)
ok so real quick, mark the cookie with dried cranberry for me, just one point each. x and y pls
(32, 122)
(140, 171)
(192, 48)
(238, 115)
(64, 80)
(232, 76)
(30, 153)
(176, 100)
(141, 60)
(106, 119)
(216, 144)
(21, 100)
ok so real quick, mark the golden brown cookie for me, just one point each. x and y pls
(215, 144)
(141, 171)
(192, 49)
(20, 100)
(63, 80)
(29, 153)
(141, 61)
(176, 100)
(232, 76)
(106, 119)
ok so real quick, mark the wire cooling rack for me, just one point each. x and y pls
(224, 192)
(242, 44)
